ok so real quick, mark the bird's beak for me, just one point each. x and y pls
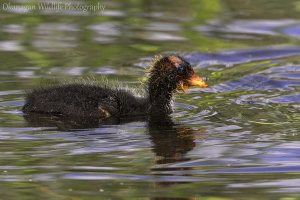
(195, 80)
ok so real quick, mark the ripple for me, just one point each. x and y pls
(67, 70)
(55, 36)
(9, 92)
(106, 28)
(160, 26)
(292, 31)
(255, 82)
(292, 98)
(106, 70)
(286, 185)
(13, 28)
(112, 13)
(295, 76)
(252, 99)
(245, 28)
(237, 56)
(107, 176)
(158, 36)
(10, 46)
(285, 68)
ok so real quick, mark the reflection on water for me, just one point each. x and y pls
(170, 141)
(237, 138)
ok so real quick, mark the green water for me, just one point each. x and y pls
(237, 139)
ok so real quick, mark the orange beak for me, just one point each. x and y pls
(195, 80)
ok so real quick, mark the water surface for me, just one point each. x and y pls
(237, 139)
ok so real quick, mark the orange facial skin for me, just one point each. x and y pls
(195, 80)
(188, 78)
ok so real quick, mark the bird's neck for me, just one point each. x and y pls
(160, 97)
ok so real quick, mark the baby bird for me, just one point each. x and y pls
(166, 76)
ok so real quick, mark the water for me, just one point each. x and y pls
(237, 139)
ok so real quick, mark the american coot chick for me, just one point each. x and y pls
(166, 76)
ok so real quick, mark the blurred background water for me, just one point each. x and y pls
(237, 139)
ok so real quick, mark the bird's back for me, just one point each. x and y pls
(72, 100)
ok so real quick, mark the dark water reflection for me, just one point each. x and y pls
(237, 139)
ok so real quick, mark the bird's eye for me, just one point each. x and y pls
(181, 69)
